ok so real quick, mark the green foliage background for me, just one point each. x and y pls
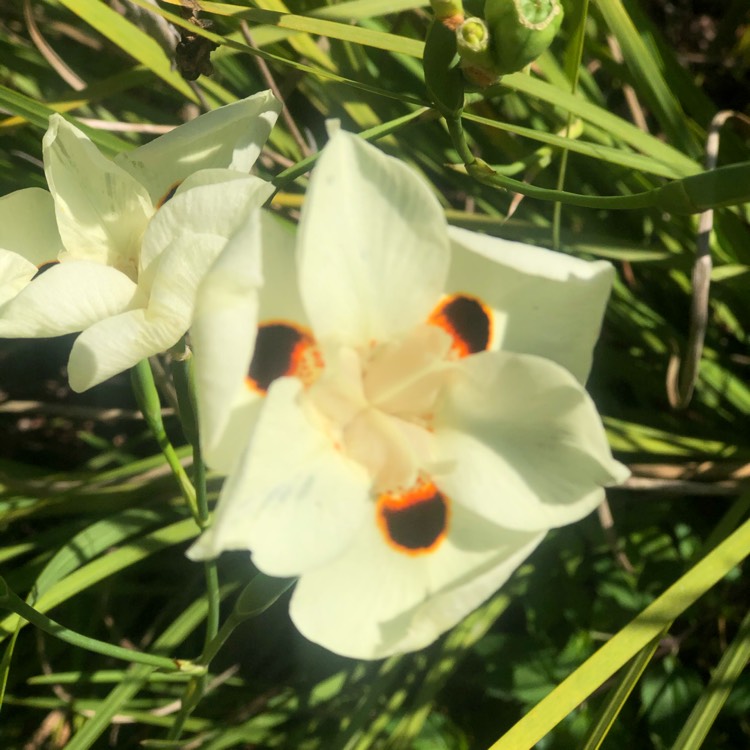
(92, 527)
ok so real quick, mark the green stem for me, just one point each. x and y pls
(371, 134)
(557, 211)
(195, 689)
(147, 397)
(184, 381)
(210, 568)
(456, 131)
(647, 199)
(181, 370)
(255, 598)
(9, 600)
(213, 648)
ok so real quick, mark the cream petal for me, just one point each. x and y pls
(173, 279)
(28, 238)
(116, 344)
(66, 298)
(373, 251)
(101, 210)
(527, 447)
(229, 137)
(224, 330)
(279, 296)
(223, 337)
(209, 207)
(544, 303)
(15, 273)
(226, 447)
(28, 226)
(293, 499)
(198, 224)
(373, 601)
(119, 342)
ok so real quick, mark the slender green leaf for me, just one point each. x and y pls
(38, 114)
(131, 40)
(616, 126)
(647, 71)
(620, 693)
(625, 644)
(702, 717)
(103, 567)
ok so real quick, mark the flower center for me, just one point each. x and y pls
(377, 404)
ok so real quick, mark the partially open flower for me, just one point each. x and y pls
(123, 243)
(404, 429)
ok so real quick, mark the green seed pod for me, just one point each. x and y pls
(521, 30)
(474, 46)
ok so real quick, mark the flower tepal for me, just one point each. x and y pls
(128, 239)
(421, 420)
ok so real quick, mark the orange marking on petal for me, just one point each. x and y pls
(170, 192)
(467, 320)
(414, 522)
(283, 349)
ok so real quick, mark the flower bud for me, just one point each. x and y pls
(521, 30)
(472, 37)
(449, 12)
(473, 45)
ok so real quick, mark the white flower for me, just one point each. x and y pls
(416, 415)
(133, 235)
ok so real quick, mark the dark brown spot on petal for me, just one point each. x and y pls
(467, 321)
(283, 349)
(414, 522)
(168, 195)
(42, 267)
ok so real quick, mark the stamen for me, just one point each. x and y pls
(467, 321)
(416, 521)
(283, 349)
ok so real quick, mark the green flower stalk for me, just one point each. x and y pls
(442, 73)
(521, 30)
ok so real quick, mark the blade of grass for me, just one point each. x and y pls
(647, 74)
(577, 687)
(611, 155)
(726, 674)
(615, 702)
(131, 40)
(93, 541)
(105, 566)
(138, 676)
(9, 600)
(602, 118)
(38, 114)
(334, 30)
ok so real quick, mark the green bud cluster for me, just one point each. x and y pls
(512, 34)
